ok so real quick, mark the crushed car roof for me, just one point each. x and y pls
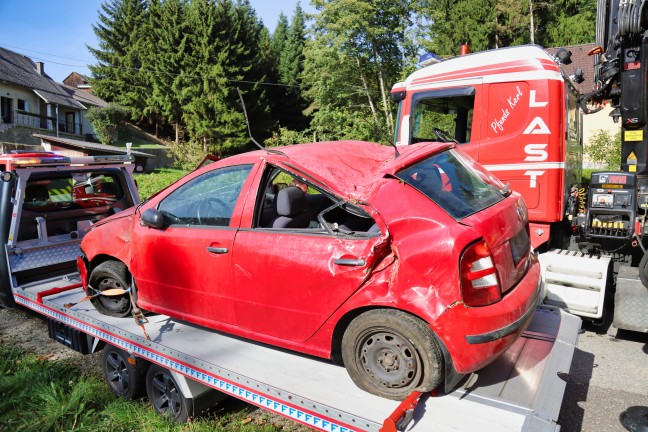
(348, 168)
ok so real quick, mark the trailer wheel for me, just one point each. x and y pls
(111, 275)
(123, 378)
(643, 270)
(390, 353)
(165, 394)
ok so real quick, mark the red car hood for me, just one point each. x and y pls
(122, 214)
(351, 168)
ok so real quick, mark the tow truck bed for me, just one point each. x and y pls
(519, 391)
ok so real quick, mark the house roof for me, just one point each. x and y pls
(83, 77)
(20, 70)
(83, 97)
(90, 148)
(580, 60)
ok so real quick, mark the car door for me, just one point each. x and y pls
(184, 268)
(289, 281)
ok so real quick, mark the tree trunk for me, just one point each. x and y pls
(388, 117)
(177, 133)
(366, 89)
(531, 21)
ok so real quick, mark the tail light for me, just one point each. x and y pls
(480, 285)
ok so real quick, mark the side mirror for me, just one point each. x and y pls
(152, 218)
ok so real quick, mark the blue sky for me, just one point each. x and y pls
(57, 32)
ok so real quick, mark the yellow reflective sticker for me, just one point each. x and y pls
(634, 135)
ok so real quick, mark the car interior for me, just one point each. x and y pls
(284, 205)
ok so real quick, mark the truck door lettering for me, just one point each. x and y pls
(513, 100)
(536, 152)
(533, 177)
(537, 127)
(498, 125)
(532, 101)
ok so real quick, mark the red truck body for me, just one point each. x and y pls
(516, 113)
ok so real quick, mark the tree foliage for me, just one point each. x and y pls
(119, 55)
(107, 121)
(178, 65)
(605, 149)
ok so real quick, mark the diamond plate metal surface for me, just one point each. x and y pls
(42, 256)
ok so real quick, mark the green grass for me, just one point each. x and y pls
(40, 395)
(148, 184)
(139, 139)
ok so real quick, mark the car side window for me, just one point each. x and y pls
(290, 202)
(207, 200)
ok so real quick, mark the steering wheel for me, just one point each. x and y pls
(443, 135)
(206, 209)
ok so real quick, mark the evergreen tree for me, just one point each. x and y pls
(246, 69)
(280, 36)
(207, 115)
(167, 25)
(290, 102)
(116, 77)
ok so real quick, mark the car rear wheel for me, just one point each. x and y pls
(124, 377)
(107, 276)
(390, 353)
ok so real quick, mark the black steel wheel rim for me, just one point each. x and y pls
(117, 373)
(167, 398)
(112, 303)
(388, 359)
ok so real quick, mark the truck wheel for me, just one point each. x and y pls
(165, 394)
(123, 378)
(111, 275)
(390, 353)
(643, 270)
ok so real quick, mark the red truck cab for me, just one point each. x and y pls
(515, 111)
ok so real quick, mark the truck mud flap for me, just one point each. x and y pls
(575, 282)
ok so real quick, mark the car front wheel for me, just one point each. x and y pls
(110, 275)
(391, 354)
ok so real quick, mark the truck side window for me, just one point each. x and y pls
(444, 117)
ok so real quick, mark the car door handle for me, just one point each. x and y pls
(217, 250)
(349, 262)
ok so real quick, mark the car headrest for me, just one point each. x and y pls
(290, 201)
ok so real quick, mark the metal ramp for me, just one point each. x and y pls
(521, 390)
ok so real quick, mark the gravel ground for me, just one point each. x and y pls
(609, 372)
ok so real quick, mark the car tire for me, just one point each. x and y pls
(391, 354)
(165, 394)
(110, 275)
(125, 379)
(643, 270)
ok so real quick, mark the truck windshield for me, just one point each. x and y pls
(455, 182)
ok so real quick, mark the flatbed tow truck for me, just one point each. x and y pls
(194, 367)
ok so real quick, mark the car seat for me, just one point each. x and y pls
(291, 208)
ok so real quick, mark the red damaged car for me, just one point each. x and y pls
(411, 269)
